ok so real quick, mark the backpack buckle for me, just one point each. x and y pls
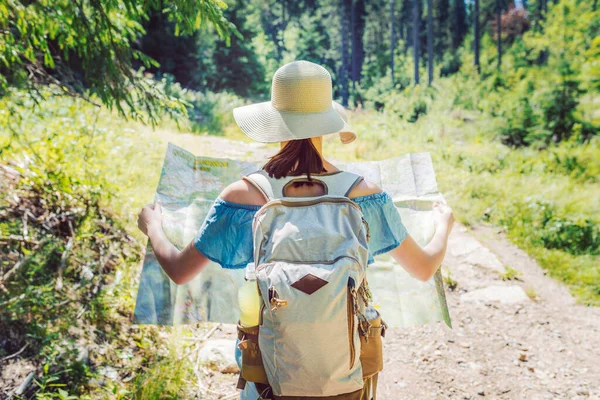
(275, 301)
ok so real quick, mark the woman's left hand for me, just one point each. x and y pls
(151, 215)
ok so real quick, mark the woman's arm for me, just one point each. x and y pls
(419, 262)
(181, 266)
(422, 263)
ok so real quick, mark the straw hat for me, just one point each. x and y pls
(301, 107)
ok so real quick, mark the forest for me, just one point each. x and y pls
(504, 95)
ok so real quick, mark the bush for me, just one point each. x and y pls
(521, 123)
(419, 109)
(544, 226)
(68, 262)
(410, 104)
(559, 110)
(206, 112)
(574, 237)
(451, 64)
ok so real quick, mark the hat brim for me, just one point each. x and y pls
(264, 123)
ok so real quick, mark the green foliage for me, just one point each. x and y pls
(521, 123)
(87, 44)
(237, 67)
(510, 274)
(451, 64)
(66, 259)
(166, 379)
(531, 107)
(450, 283)
(206, 112)
(540, 104)
(559, 110)
(548, 229)
(412, 105)
(591, 66)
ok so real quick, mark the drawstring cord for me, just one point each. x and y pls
(364, 331)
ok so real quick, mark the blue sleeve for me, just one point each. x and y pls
(226, 235)
(385, 225)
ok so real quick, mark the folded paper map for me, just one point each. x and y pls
(189, 185)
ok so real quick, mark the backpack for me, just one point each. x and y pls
(310, 256)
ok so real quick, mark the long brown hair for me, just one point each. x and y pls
(297, 157)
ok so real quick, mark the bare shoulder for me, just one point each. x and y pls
(242, 192)
(364, 188)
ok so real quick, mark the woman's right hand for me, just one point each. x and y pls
(443, 216)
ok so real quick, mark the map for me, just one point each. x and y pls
(189, 185)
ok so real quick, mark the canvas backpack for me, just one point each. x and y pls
(310, 254)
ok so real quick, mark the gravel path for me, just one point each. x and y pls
(504, 344)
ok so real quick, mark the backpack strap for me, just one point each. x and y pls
(336, 184)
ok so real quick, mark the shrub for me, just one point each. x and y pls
(68, 259)
(520, 123)
(206, 112)
(451, 64)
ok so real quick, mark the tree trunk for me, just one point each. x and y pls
(543, 9)
(358, 51)
(416, 20)
(392, 39)
(358, 28)
(429, 42)
(460, 22)
(401, 26)
(499, 34)
(344, 8)
(476, 36)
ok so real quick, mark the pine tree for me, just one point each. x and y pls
(442, 20)
(476, 35)
(499, 33)
(459, 23)
(177, 55)
(358, 51)
(392, 38)
(415, 37)
(236, 66)
(429, 42)
(345, 7)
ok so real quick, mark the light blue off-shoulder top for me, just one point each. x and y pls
(226, 235)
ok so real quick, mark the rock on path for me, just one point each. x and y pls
(518, 339)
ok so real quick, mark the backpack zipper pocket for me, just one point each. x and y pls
(351, 328)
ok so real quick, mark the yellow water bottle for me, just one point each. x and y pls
(249, 299)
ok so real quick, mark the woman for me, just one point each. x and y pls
(300, 112)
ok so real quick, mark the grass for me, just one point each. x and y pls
(531, 293)
(510, 274)
(450, 282)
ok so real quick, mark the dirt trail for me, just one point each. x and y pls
(516, 339)
(504, 344)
